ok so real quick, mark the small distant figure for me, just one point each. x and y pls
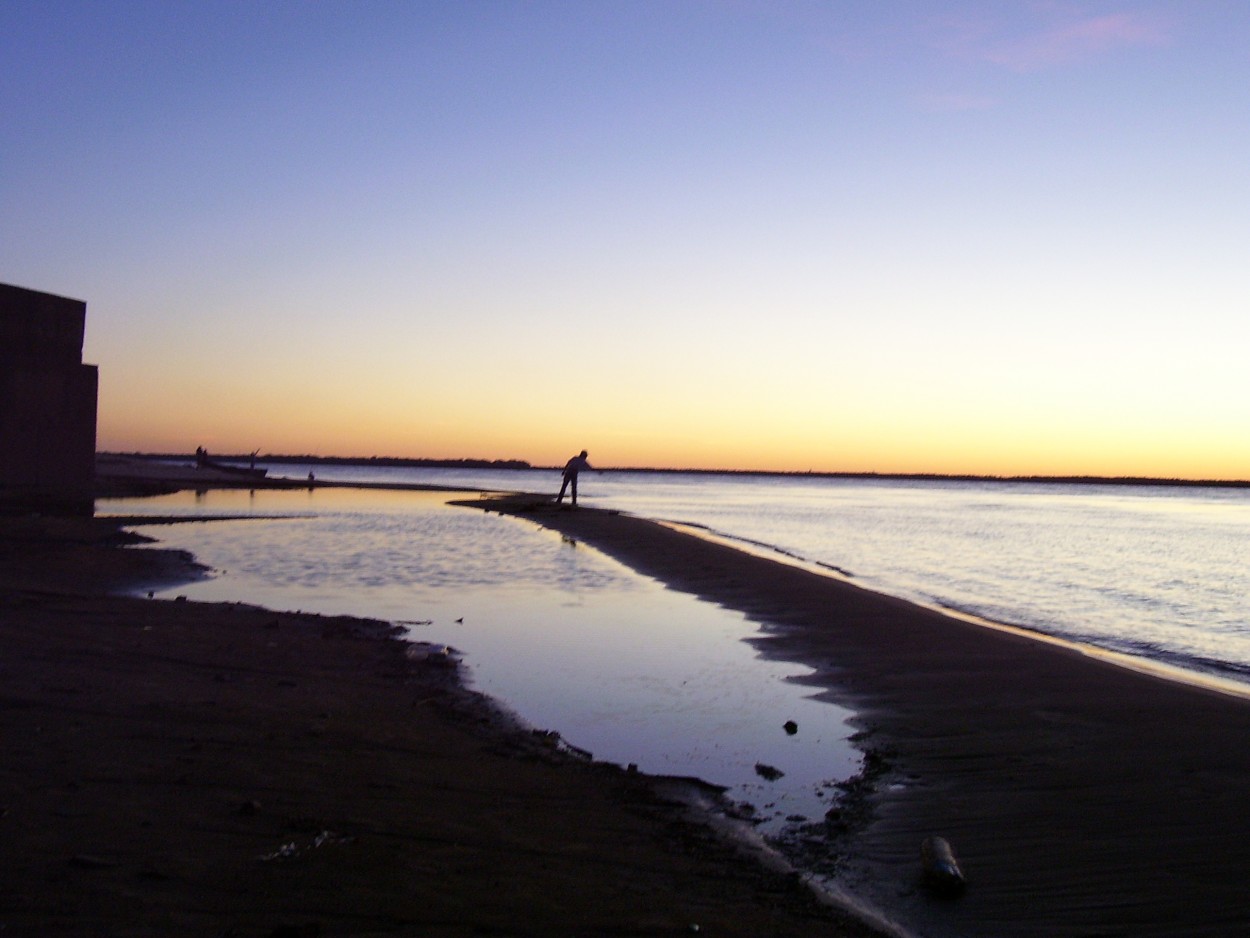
(201, 457)
(312, 480)
(571, 469)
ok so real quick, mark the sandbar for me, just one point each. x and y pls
(1081, 797)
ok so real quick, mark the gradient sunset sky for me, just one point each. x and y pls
(993, 236)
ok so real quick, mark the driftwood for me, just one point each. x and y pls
(941, 870)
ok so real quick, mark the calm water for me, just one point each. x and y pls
(1159, 573)
(568, 639)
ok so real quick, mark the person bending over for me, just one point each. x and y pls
(571, 469)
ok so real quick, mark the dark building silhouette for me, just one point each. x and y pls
(47, 402)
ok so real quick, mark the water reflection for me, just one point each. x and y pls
(569, 639)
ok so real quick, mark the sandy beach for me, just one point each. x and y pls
(186, 768)
(176, 768)
(1080, 797)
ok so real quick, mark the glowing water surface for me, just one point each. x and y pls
(1157, 572)
(567, 638)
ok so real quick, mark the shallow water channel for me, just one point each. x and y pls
(568, 639)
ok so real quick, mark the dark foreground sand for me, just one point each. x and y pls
(1081, 798)
(183, 769)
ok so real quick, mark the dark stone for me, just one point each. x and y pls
(768, 772)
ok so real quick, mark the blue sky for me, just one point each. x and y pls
(914, 236)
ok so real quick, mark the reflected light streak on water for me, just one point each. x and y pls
(567, 638)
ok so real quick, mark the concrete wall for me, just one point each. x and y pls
(47, 401)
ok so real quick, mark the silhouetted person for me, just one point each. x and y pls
(571, 469)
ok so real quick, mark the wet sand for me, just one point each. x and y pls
(177, 768)
(1080, 797)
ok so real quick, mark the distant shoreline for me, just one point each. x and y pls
(522, 465)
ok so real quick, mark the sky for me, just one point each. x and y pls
(997, 237)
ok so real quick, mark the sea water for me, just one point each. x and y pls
(1157, 572)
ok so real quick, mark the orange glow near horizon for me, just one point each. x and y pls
(898, 447)
(796, 421)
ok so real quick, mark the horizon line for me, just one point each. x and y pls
(513, 464)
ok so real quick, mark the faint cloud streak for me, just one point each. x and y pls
(1076, 41)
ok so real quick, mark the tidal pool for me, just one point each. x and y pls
(566, 638)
